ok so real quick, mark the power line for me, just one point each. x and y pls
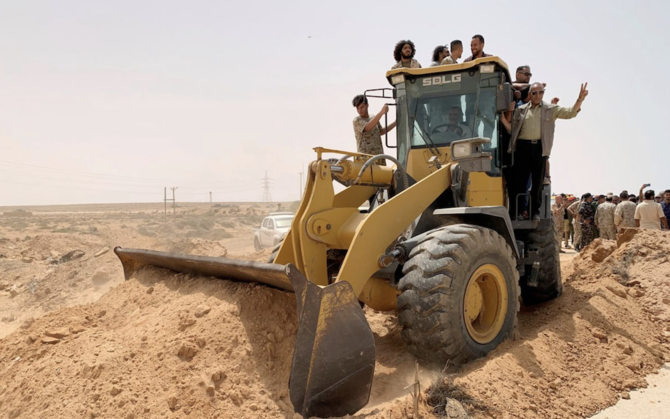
(267, 197)
(11, 182)
(90, 174)
(106, 177)
(58, 177)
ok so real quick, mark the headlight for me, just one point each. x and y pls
(462, 150)
(397, 79)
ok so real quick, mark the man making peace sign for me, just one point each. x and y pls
(532, 137)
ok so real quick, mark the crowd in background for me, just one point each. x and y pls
(579, 221)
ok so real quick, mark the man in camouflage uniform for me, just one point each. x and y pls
(624, 215)
(597, 200)
(573, 210)
(403, 53)
(586, 215)
(368, 130)
(558, 211)
(605, 219)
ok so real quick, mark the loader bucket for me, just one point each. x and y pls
(237, 270)
(334, 356)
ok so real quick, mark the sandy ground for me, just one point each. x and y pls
(76, 340)
(649, 403)
(31, 240)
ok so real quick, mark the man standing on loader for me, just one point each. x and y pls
(532, 137)
(404, 55)
(367, 128)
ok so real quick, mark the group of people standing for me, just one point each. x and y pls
(367, 127)
(603, 215)
(404, 52)
(530, 123)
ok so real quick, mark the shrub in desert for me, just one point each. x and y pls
(145, 232)
(227, 224)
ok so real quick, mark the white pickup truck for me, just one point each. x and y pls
(272, 229)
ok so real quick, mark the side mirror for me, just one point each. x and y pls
(504, 97)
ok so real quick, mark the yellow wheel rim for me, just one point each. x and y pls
(485, 304)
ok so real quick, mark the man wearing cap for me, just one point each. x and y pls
(605, 218)
(532, 137)
(586, 220)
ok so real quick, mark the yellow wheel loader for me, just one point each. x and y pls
(437, 245)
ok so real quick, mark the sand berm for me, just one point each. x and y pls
(172, 345)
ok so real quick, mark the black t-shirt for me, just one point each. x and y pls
(524, 92)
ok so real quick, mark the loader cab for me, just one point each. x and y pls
(439, 105)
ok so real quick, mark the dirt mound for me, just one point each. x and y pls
(47, 272)
(47, 248)
(576, 355)
(598, 250)
(156, 345)
(164, 344)
(197, 247)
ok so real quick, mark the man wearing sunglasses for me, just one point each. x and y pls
(521, 85)
(532, 137)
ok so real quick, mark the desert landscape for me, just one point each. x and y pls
(77, 340)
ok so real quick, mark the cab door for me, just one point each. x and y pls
(269, 233)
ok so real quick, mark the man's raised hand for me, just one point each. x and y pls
(583, 92)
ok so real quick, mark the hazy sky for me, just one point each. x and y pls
(110, 101)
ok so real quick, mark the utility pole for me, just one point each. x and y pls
(267, 197)
(210, 197)
(174, 201)
(165, 201)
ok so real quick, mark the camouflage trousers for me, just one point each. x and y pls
(587, 235)
(558, 228)
(578, 233)
(608, 233)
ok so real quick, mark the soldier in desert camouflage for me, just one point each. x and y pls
(558, 212)
(368, 130)
(624, 215)
(573, 209)
(404, 55)
(605, 219)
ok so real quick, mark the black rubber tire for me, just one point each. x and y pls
(433, 290)
(257, 245)
(549, 283)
